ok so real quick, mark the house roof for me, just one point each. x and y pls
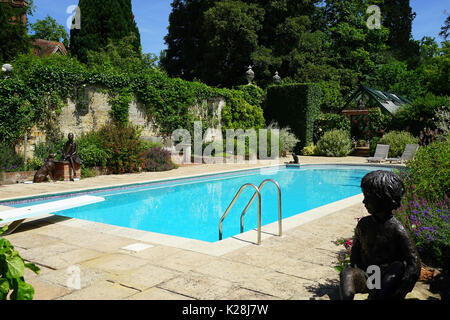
(44, 48)
(390, 102)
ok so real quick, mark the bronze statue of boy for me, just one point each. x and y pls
(381, 243)
(70, 154)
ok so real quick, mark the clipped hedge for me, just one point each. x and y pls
(296, 106)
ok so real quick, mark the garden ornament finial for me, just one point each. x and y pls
(250, 75)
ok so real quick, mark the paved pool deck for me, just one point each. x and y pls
(117, 263)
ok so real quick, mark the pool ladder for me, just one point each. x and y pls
(257, 193)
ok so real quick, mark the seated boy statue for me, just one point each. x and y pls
(381, 242)
(70, 154)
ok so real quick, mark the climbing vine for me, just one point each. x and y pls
(39, 88)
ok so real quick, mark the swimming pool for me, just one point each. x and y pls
(192, 207)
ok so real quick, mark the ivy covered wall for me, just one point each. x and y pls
(43, 92)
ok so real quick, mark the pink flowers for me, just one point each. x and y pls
(348, 244)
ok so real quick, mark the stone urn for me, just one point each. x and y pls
(250, 75)
(276, 78)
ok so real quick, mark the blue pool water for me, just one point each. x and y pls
(192, 208)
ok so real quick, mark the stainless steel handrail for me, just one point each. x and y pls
(232, 204)
(280, 231)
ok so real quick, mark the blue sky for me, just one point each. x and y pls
(152, 17)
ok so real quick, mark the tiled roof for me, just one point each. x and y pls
(44, 48)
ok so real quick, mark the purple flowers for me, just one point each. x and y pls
(428, 222)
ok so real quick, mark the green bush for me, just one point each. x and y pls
(397, 141)
(43, 149)
(415, 118)
(252, 94)
(335, 143)
(34, 164)
(296, 106)
(239, 114)
(92, 150)
(288, 140)
(329, 121)
(9, 160)
(425, 210)
(427, 176)
(373, 145)
(378, 123)
(16, 111)
(309, 150)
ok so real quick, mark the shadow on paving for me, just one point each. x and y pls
(325, 291)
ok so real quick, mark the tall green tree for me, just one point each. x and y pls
(290, 44)
(445, 30)
(13, 36)
(230, 30)
(49, 29)
(184, 39)
(398, 18)
(356, 50)
(215, 41)
(102, 21)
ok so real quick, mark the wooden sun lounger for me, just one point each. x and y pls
(17, 216)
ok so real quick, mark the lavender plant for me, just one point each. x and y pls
(429, 225)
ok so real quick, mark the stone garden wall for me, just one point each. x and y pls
(94, 113)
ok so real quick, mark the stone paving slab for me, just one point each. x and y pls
(145, 277)
(156, 293)
(200, 286)
(101, 290)
(114, 263)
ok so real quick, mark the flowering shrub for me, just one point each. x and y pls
(344, 260)
(309, 150)
(428, 175)
(429, 225)
(124, 147)
(158, 159)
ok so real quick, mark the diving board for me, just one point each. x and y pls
(17, 215)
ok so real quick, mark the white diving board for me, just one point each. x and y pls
(17, 215)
